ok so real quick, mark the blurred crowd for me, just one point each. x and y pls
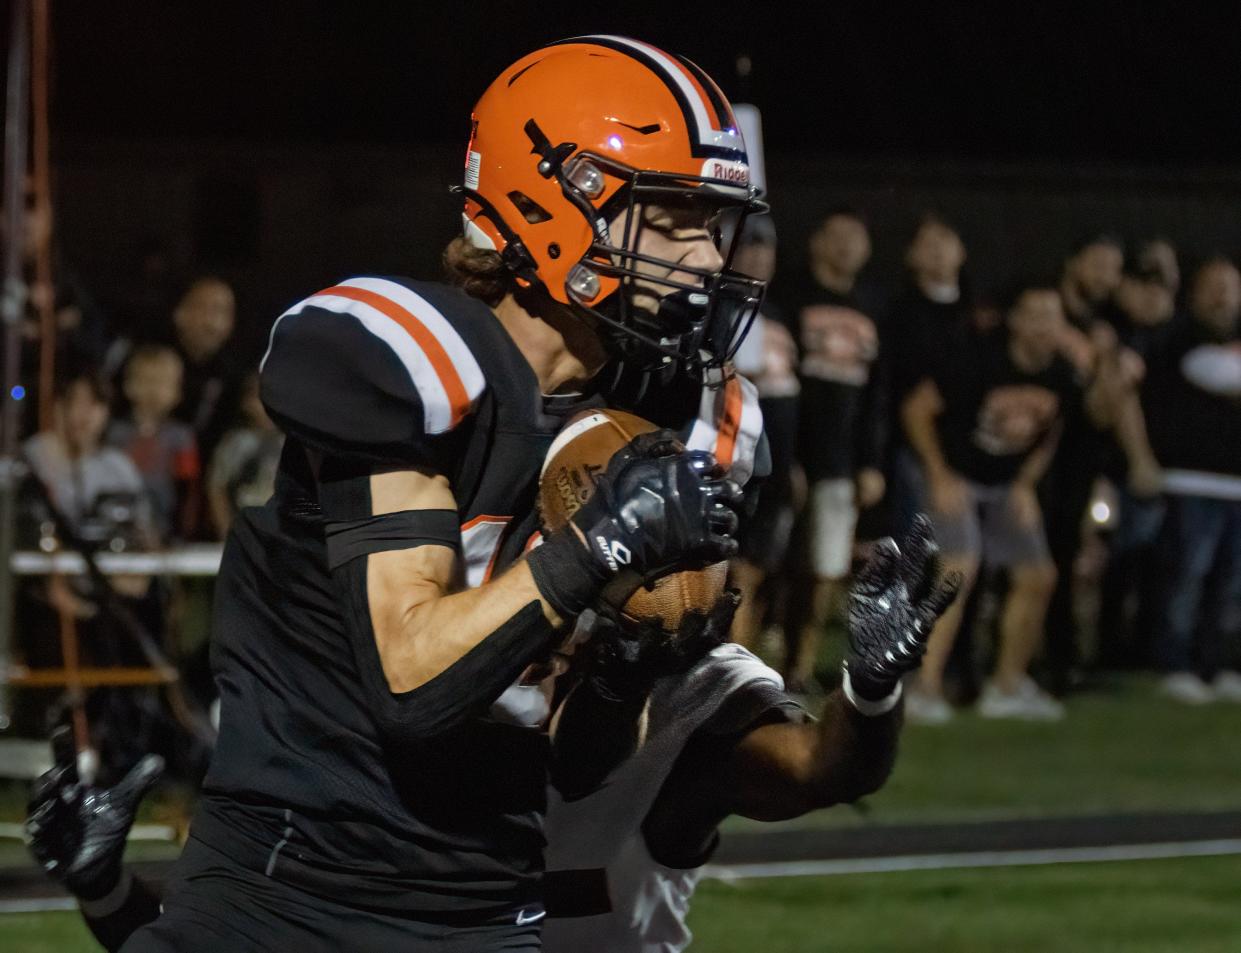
(156, 437)
(1075, 439)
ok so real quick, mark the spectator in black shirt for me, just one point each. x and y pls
(1194, 400)
(1158, 257)
(1111, 425)
(932, 313)
(842, 432)
(986, 430)
(1144, 307)
(1091, 275)
(203, 320)
(928, 325)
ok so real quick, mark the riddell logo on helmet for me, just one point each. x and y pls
(734, 173)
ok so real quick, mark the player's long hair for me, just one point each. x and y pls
(479, 272)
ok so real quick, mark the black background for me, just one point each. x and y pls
(1112, 80)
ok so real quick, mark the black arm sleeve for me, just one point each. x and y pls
(596, 731)
(139, 907)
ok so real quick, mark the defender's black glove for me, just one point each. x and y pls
(76, 831)
(893, 606)
(623, 659)
(655, 508)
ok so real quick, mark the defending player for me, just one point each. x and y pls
(624, 857)
(380, 777)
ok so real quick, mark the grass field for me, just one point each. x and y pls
(1166, 906)
(1122, 749)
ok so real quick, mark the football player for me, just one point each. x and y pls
(384, 622)
(380, 628)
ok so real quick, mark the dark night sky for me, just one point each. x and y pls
(1129, 81)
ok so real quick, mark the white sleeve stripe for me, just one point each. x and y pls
(480, 544)
(436, 409)
(271, 335)
(749, 433)
(428, 315)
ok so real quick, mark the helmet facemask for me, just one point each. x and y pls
(703, 314)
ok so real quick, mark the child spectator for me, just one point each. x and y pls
(101, 497)
(243, 467)
(986, 431)
(77, 472)
(164, 450)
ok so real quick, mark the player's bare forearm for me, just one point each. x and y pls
(781, 771)
(421, 626)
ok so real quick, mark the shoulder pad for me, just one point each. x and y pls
(368, 362)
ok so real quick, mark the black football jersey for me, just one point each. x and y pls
(392, 372)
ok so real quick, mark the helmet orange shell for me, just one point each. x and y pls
(612, 96)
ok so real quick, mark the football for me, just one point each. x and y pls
(577, 456)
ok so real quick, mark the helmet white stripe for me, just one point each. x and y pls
(707, 135)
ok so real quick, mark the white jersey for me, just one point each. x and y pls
(648, 901)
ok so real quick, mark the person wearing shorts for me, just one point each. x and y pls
(842, 415)
(985, 429)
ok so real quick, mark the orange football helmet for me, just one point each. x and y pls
(577, 132)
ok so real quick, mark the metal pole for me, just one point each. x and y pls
(41, 180)
(12, 309)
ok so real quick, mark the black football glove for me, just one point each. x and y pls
(893, 606)
(656, 507)
(623, 658)
(76, 831)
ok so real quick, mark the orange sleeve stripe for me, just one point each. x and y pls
(450, 380)
(729, 423)
(485, 518)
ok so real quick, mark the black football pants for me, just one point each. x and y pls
(214, 905)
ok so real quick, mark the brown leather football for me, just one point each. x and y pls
(577, 456)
